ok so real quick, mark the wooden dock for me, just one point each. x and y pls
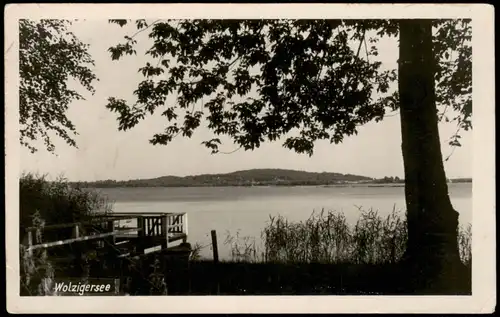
(121, 234)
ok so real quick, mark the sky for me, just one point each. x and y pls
(105, 153)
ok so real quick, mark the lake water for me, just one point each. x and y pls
(246, 210)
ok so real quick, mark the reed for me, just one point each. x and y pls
(325, 254)
(326, 237)
(243, 248)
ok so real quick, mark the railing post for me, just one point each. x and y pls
(141, 234)
(147, 226)
(158, 226)
(76, 231)
(109, 246)
(78, 252)
(153, 226)
(164, 223)
(111, 228)
(185, 225)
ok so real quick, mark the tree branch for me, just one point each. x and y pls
(361, 42)
(391, 115)
(142, 30)
(366, 49)
(231, 152)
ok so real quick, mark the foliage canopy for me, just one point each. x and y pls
(49, 56)
(265, 79)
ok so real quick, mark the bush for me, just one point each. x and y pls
(43, 203)
(56, 201)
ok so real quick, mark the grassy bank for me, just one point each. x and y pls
(240, 278)
(326, 255)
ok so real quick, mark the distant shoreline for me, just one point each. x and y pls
(253, 178)
(265, 186)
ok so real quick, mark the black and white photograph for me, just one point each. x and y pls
(250, 158)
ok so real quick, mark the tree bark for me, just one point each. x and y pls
(432, 246)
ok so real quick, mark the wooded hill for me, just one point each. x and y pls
(253, 177)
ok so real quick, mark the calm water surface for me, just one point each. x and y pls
(246, 210)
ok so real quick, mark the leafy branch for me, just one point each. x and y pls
(306, 78)
(49, 56)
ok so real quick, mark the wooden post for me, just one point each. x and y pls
(216, 259)
(214, 246)
(111, 251)
(157, 223)
(78, 251)
(76, 231)
(164, 224)
(147, 226)
(140, 235)
(117, 286)
(185, 225)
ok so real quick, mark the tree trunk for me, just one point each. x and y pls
(432, 246)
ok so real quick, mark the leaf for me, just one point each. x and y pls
(120, 22)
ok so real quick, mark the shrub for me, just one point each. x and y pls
(42, 203)
(56, 201)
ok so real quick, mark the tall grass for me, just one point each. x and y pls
(243, 248)
(465, 244)
(326, 237)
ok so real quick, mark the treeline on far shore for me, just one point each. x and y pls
(134, 183)
(256, 177)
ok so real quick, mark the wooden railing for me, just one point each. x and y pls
(156, 224)
(151, 228)
(177, 223)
